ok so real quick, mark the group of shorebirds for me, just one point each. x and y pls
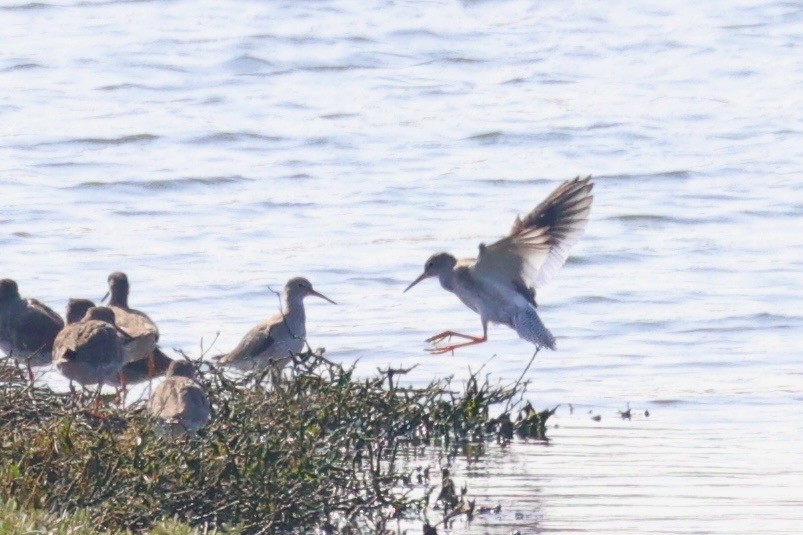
(116, 345)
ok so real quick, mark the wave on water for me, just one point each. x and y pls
(234, 137)
(275, 204)
(29, 5)
(761, 321)
(134, 138)
(656, 218)
(165, 184)
(22, 67)
(672, 175)
(507, 181)
(496, 137)
(144, 87)
(246, 64)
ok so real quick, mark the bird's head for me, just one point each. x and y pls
(299, 287)
(435, 266)
(8, 290)
(77, 309)
(181, 368)
(118, 289)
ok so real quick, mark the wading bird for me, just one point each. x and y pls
(141, 330)
(274, 341)
(89, 351)
(179, 403)
(27, 326)
(500, 283)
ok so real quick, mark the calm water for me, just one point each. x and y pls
(214, 149)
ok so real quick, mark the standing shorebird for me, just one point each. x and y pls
(27, 326)
(137, 325)
(89, 351)
(277, 339)
(179, 402)
(500, 283)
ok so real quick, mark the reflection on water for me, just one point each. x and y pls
(211, 150)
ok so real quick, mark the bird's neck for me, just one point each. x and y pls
(446, 279)
(293, 307)
(119, 299)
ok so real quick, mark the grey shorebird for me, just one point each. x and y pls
(274, 341)
(89, 351)
(179, 403)
(138, 326)
(500, 283)
(27, 326)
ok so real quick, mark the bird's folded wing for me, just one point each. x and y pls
(256, 342)
(538, 245)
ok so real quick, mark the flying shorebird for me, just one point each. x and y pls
(277, 339)
(500, 283)
(179, 402)
(138, 326)
(27, 326)
(89, 351)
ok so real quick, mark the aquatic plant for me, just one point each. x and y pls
(321, 449)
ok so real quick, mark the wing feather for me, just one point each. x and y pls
(538, 244)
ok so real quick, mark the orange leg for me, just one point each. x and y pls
(448, 335)
(120, 397)
(447, 349)
(450, 348)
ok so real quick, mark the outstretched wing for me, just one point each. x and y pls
(538, 245)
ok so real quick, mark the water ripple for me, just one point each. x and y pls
(233, 137)
(166, 184)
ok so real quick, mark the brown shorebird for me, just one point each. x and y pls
(179, 403)
(137, 325)
(27, 326)
(274, 341)
(500, 283)
(89, 351)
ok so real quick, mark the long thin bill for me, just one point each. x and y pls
(416, 281)
(313, 292)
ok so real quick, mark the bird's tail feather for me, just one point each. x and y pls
(530, 327)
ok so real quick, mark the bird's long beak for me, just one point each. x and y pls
(313, 292)
(105, 296)
(416, 281)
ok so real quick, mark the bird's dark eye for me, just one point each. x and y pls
(429, 264)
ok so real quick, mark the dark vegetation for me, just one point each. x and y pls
(321, 449)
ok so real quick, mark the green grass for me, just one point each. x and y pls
(321, 450)
(15, 521)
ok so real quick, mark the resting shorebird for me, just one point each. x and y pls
(179, 402)
(277, 339)
(89, 351)
(137, 325)
(27, 326)
(500, 283)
